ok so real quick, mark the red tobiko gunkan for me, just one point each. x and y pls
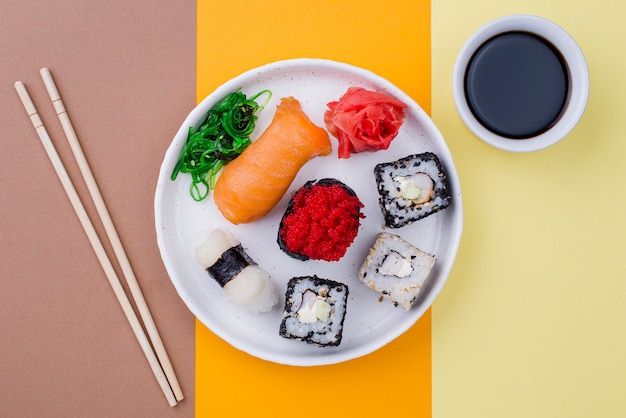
(321, 221)
(364, 120)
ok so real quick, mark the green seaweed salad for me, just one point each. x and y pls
(221, 137)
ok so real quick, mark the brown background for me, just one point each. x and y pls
(126, 72)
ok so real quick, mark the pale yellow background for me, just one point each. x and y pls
(532, 322)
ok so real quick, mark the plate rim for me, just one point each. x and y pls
(454, 242)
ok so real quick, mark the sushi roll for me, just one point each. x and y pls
(411, 188)
(396, 269)
(321, 221)
(243, 281)
(315, 309)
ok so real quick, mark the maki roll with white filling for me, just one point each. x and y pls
(243, 281)
(396, 269)
(315, 309)
(411, 188)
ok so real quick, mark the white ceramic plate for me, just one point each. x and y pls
(182, 223)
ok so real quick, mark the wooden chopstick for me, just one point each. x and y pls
(97, 246)
(111, 232)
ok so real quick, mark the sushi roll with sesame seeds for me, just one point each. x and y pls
(411, 188)
(314, 312)
(396, 269)
(243, 281)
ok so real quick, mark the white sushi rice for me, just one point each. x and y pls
(252, 288)
(396, 269)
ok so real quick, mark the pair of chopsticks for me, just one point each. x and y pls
(157, 358)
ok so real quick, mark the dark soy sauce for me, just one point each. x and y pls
(517, 85)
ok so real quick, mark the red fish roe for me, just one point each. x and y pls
(321, 222)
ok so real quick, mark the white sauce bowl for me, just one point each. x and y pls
(578, 82)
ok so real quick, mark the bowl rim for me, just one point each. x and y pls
(578, 73)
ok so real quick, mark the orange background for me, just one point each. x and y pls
(395, 43)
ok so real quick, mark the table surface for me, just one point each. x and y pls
(532, 320)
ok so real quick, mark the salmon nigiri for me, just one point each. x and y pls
(253, 183)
